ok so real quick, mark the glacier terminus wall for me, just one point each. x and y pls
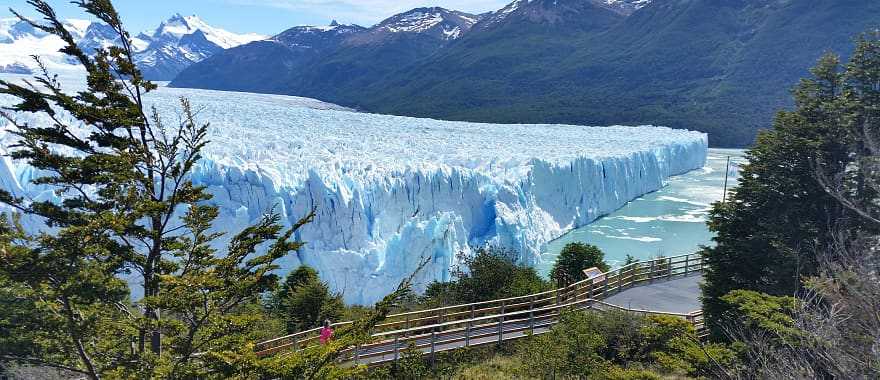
(391, 192)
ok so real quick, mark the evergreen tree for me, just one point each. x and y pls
(300, 276)
(303, 301)
(574, 258)
(491, 273)
(799, 193)
(129, 208)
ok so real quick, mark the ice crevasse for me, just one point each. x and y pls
(391, 192)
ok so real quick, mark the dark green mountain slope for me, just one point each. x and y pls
(265, 66)
(720, 66)
(323, 62)
(503, 60)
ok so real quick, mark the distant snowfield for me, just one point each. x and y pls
(392, 192)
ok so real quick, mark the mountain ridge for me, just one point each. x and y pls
(161, 53)
(317, 61)
(717, 66)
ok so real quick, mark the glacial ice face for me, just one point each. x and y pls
(392, 191)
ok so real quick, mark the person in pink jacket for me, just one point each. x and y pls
(326, 332)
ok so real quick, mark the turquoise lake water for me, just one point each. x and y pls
(668, 222)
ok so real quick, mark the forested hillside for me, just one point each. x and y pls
(722, 67)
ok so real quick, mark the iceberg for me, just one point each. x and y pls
(392, 192)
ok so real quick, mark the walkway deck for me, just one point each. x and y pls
(677, 295)
(664, 286)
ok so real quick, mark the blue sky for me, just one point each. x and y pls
(262, 16)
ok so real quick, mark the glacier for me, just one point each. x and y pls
(391, 192)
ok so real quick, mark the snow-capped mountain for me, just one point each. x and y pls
(19, 41)
(181, 41)
(161, 53)
(548, 10)
(319, 61)
(628, 6)
(316, 37)
(439, 22)
(432, 23)
(179, 26)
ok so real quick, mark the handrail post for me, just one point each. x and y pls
(532, 315)
(295, 344)
(651, 274)
(634, 274)
(687, 266)
(501, 324)
(639, 269)
(433, 345)
(357, 353)
(396, 347)
(467, 333)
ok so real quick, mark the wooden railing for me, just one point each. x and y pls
(450, 327)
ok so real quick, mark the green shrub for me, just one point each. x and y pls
(303, 302)
(491, 273)
(574, 258)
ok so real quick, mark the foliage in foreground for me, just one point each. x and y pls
(808, 186)
(795, 278)
(130, 210)
(303, 301)
(831, 330)
(583, 345)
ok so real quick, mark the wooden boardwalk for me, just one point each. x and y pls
(668, 281)
(677, 295)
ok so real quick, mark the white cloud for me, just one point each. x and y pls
(369, 12)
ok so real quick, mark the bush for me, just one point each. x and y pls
(491, 273)
(574, 258)
(600, 345)
(572, 348)
(303, 302)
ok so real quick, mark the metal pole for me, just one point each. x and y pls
(686, 264)
(501, 324)
(726, 172)
(467, 334)
(433, 343)
(396, 347)
(532, 315)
